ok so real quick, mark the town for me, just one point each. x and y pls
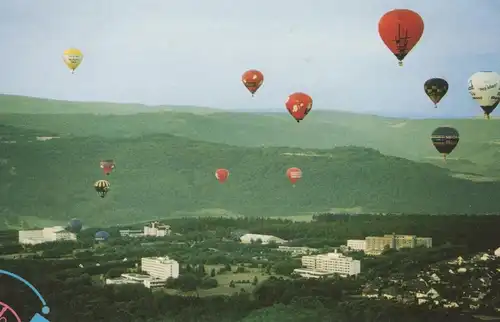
(217, 256)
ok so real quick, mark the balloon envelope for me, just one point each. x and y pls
(484, 87)
(445, 139)
(75, 225)
(102, 187)
(401, 30)
(252, 79)
(72, 58)
(101, 235)
(299, 105)
(107, 166)
(436, 89)
(221, 175)
(294, 174)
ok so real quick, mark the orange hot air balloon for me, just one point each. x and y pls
(294, 174)
(252, 79)
(299, 105)
(221, 175)
(401, 29)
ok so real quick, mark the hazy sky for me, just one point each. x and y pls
(193, 52)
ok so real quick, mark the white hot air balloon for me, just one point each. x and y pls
(484, 88)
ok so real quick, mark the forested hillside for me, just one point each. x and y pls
(476, 153)
(164, 175)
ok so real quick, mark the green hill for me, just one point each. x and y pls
(477, 152)
(162, 175)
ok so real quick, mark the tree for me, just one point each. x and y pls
(255, 280)
(231, 284)
(227, 267)
(212, 272)
(209, 283)
(115, 272)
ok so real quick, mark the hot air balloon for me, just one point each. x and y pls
(299, 105)
(221, 175)
(436, 89)
(252, 79)
(101, 187)
(294, 174)
(445, 139)
(107, 166)
(72, 58)
(101, 236)
(75, 225)
(400, 30)
(485, 90)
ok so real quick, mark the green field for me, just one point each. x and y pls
(49, 159)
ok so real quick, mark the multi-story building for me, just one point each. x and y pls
(160, 267)
(157, 229)
(375, 245)
(48, 234)
(265, 239)
(130, 278)
(331, 263)
(356, 244)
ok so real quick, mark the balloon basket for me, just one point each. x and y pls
(400, 64)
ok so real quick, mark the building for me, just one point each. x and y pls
(294, 251)
(146, 280)
(356, 244)
(160, 267)
(375, 245)
(131, 233)
(265, 239)
(309, 273)
(497, 252)
(157, 229)
(48, 234)
(333, 263)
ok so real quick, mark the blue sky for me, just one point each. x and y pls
(193, 52)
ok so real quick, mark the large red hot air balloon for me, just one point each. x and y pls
(252, 79)
(294, 174)
(401, 29)
(221, 175)
(299, 105)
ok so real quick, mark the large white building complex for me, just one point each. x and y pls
(328, 264)
(265, 239)
(48, 234)
(154, 229)
(158, 270)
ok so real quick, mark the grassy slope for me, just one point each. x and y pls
(164, 175)
(477, 152)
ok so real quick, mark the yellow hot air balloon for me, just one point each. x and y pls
(72, 58)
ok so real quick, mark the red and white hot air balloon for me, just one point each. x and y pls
(294, 174)
(221, 175)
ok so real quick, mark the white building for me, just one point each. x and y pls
(48, 234)
(157, 229)
(131, 233)
(356, 244)
(147, 281)
(332, 263)
(497, 252)
(160, 267)
(265, 239)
